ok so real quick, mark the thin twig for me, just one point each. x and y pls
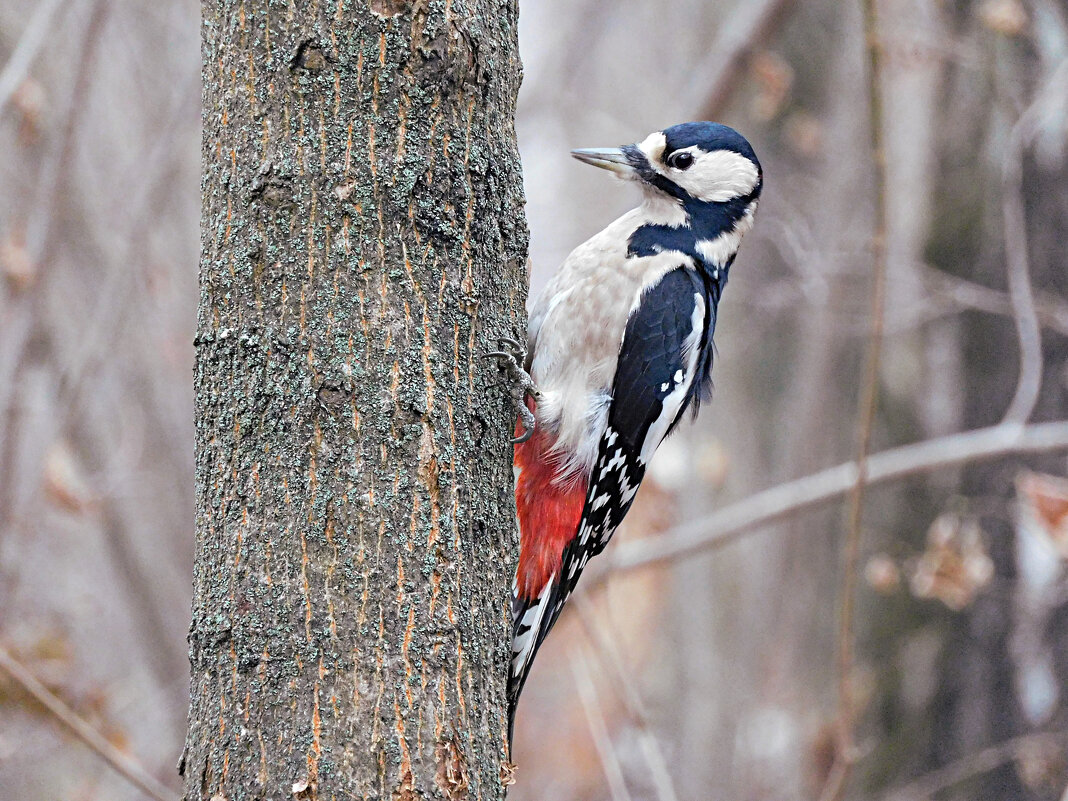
(835, 780)
(1052, 311)
(608, 655)
(784, 500)
(588, 695)
(56, 169)
(103, 322)
(20, 317)
(1021, 293)
(33, 37)
(750, 22)
(123, 764)
(942, 294)
(866, 412)
(974, 765)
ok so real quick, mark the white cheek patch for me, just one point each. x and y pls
(718, 176)
(653, 147)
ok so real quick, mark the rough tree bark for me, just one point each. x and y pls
(363, 242)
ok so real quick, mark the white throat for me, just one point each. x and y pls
(660, 209)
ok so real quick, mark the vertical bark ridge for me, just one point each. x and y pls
(362, 242)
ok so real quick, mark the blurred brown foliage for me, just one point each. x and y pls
(962, 632)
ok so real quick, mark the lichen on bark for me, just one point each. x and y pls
(363, 242)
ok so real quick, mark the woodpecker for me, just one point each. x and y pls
(619, 345)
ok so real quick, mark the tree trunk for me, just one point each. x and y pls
(363, 241)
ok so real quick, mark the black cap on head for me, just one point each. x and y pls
(708, 136)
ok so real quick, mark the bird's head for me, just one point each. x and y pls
(695, 161)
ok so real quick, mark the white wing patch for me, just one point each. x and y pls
(681, 381)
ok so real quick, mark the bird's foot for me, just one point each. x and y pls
(518, 382)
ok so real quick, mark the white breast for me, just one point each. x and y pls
(575, 331)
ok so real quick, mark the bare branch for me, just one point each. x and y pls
(961, 293)
(56, 169)
(580, 666)
(836, 779)
(609, 656)
(845, 756)
(751, 22)
(975, 765)
(122, 763)
(33, 37)
(787, 499)
(1021, 292)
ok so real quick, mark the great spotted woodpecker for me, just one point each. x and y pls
(619, 346)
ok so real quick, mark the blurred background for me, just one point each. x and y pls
(712, 676)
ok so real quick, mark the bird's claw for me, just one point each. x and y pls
(523, 437)
(519, 384)
(527, 418)
(515, 348)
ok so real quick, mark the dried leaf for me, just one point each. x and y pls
(882, 574)
(955, 566)
(804, 133)
(51, 646)
(1040, 764)
(1006, 17)
(712, 464)
(64, 484)
(29, 100)
(15, 262)
(774, 77)
(1045, 498)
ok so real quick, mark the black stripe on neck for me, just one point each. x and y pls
(705, 221)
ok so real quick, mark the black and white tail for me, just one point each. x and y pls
(531, 621)
(617, 474)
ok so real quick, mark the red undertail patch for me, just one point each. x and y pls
(548, 514)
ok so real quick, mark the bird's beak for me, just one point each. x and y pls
(607, 158)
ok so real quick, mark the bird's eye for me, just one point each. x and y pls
(680, 161)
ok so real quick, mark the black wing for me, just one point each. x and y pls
(664, 364)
